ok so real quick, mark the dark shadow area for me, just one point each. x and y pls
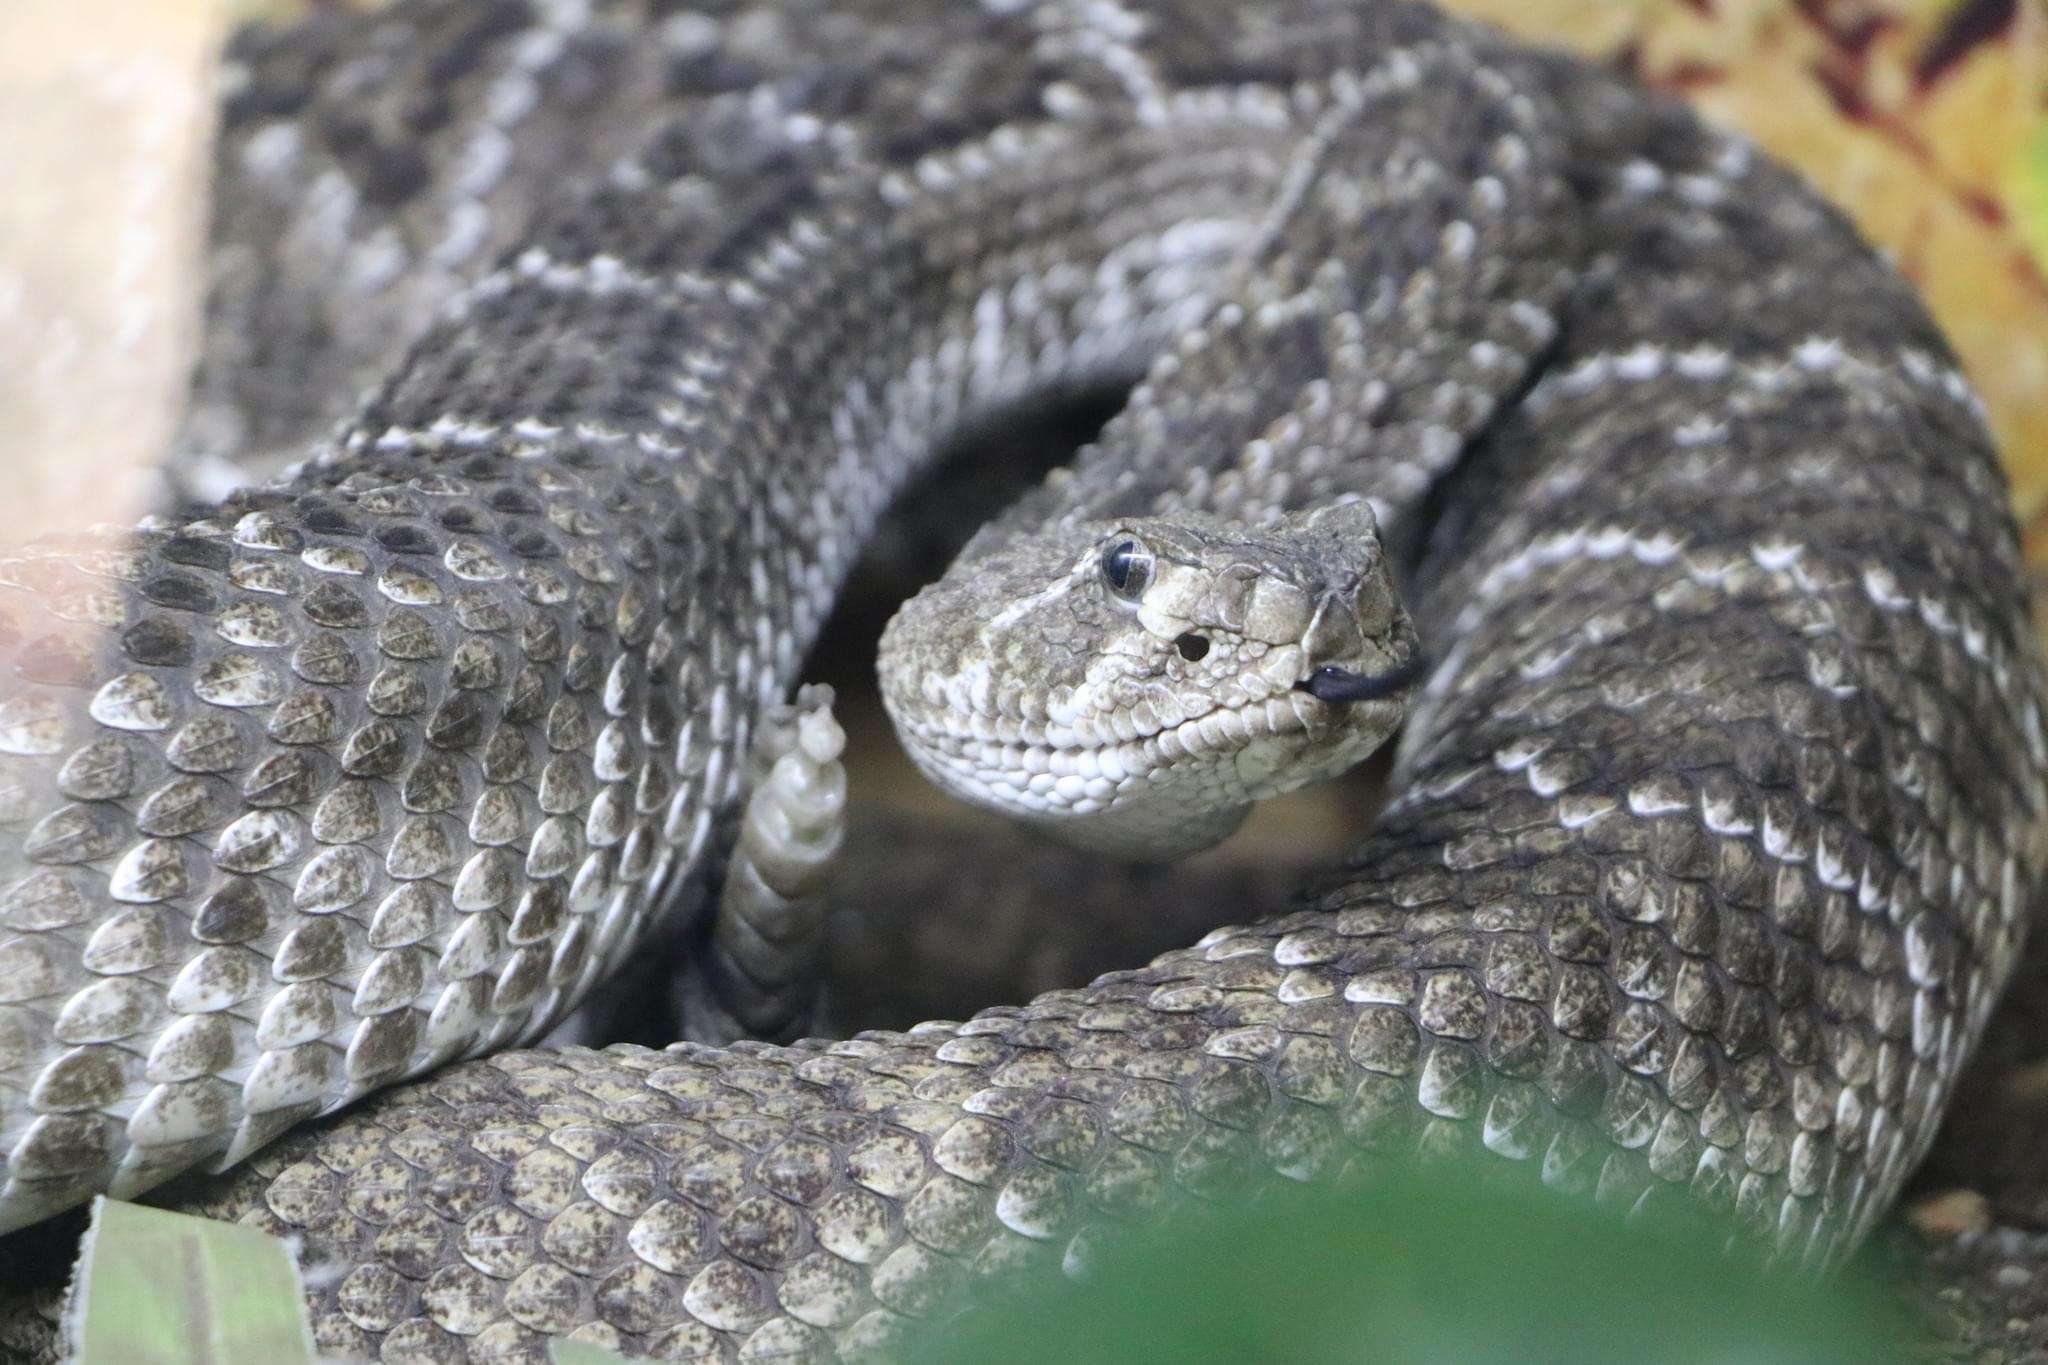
(940, 909)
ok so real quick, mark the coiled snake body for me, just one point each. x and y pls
(1716, 816)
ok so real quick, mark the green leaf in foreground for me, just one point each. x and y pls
(1434, 1262)
(2029, 191)
(157, 1288)
(1430, 1265)
(581, 1353)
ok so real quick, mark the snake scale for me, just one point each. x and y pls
(1717, 812)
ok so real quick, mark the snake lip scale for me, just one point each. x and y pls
(613, 328)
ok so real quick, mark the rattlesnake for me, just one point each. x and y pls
(1716, 814)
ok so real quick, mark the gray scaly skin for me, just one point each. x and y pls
(1714, 823)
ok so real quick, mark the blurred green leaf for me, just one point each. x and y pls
(2030, 193)
(158, 1288)
(1427, 1265)
(581, 1353)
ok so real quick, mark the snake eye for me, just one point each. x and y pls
(1127, 568)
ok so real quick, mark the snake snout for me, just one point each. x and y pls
(1334, 633)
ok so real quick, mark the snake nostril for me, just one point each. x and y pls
(1192, 647)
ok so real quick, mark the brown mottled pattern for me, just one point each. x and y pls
(1712, 830)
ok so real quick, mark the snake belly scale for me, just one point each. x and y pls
(1717, 812)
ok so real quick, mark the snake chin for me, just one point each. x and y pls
(1135, 687)
(1165, 794)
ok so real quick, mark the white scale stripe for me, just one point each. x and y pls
(1811, 357)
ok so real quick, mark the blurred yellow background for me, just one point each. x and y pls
(1926, 119)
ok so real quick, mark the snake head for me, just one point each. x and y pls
(1135, 686)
